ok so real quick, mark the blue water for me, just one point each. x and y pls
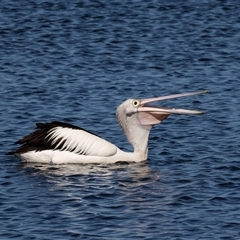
(76, 62)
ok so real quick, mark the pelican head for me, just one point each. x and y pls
(137, 117)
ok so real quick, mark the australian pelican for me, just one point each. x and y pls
(60, 143)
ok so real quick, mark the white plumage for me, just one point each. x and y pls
(81, 142)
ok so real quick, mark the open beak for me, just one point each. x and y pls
(149, 115)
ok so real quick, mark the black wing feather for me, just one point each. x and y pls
(40, 139)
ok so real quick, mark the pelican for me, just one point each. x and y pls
(61, 143)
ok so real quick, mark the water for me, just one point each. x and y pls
(76, 62)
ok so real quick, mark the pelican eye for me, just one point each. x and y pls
(135, 103)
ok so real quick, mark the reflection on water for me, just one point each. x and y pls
(83, 169)
(133, 174)
(127, 177)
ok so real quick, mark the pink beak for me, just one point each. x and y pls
(153, 115)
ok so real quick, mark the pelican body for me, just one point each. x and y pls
(61, 143)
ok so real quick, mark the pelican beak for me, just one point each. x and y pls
(149, 115)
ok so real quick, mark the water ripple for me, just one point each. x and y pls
(76, 62)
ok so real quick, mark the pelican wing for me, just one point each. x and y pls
(66, 137)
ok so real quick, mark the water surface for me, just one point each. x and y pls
(76, 62)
